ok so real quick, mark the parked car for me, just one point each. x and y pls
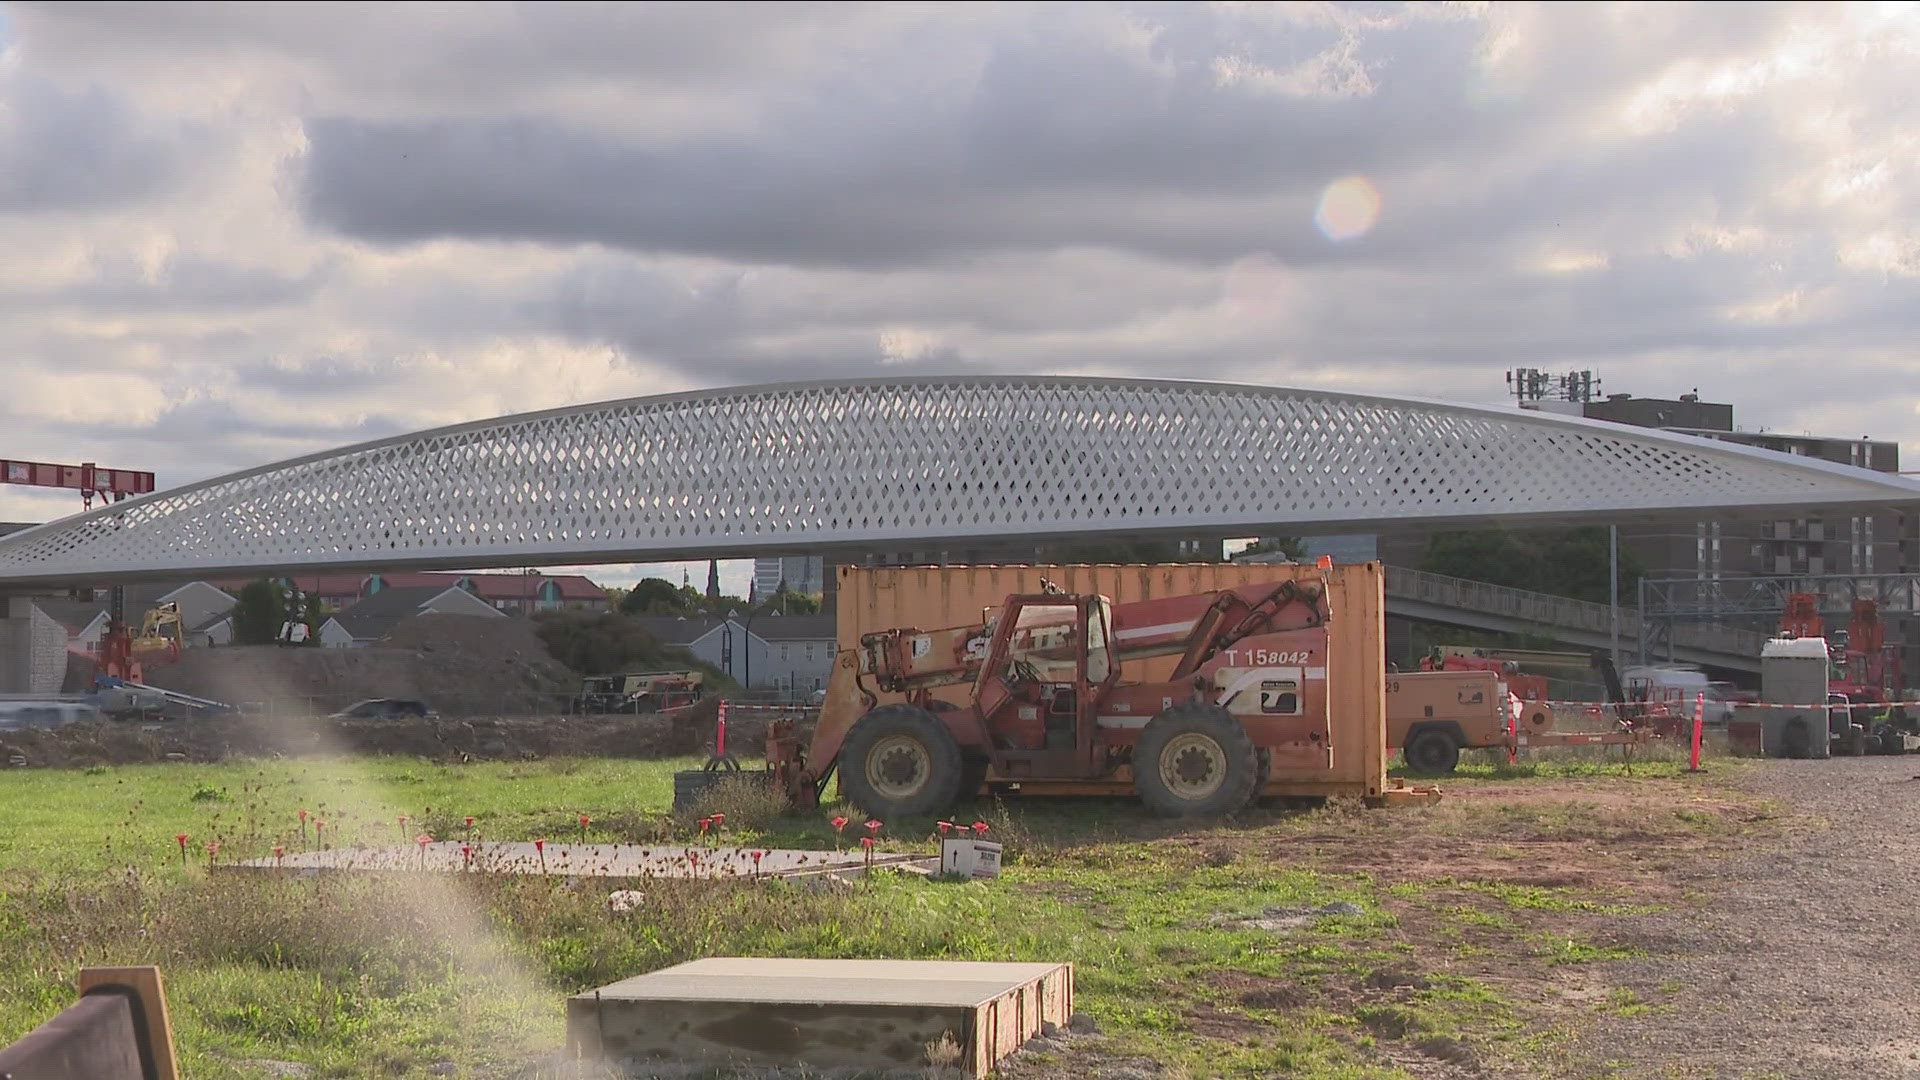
(385, 709)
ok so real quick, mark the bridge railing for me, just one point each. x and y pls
(1543, 609)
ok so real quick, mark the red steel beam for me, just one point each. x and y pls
(117, 483)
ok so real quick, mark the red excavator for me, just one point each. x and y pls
(1865, 669)
(1032, 693)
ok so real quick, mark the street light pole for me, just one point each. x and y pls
(1613, 586)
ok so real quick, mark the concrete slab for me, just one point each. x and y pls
(756, 1013)
(582, 860)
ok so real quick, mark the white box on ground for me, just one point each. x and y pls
(969, 857)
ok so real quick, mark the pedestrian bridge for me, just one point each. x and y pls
(1477, 605)
(921, 464)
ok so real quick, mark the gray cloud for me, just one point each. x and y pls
(320, 225)
(77, 149)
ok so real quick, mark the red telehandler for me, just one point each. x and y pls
(1032, 693)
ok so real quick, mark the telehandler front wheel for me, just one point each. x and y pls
(1195, 760)
(901, 761)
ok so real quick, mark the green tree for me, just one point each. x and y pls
(787, 602)
(608, 643)
(1560, 562)
(656, 596)
(258, 613)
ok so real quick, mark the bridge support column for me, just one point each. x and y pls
(33, 649)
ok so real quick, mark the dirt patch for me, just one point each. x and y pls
(688, 731)
(1261, 991)
(1798, 958)
(461, 665)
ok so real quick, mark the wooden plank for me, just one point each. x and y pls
(92, 1039)
(856, 1015)
(147, 985)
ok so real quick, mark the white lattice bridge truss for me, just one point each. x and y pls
(892, 464)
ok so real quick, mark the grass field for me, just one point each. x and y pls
(1291, 944)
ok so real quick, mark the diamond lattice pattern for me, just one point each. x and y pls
(763, 468)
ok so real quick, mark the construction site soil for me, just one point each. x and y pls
(461, 665)
(499, 695)
(481, 738)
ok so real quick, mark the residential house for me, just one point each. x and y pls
(330, 592)
(767, 652)
(201, 604)
(215, 632)
(515, 594)
(375, 617)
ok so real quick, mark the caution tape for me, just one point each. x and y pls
(1687, 706)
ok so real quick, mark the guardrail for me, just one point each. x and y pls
(1543, 609)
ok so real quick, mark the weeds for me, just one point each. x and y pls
(369, 975)
(748, 802)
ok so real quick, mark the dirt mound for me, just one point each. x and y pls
(689, 731)
(461, 665)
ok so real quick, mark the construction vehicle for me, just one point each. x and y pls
(124, 654)
(122, 699)
(1678, 688)
(639, 692)
(1030, 697)
(161, 631)
(1797, 717)
(1864, 669)
(1497, 661)
(1868, 671)
(1432, 716)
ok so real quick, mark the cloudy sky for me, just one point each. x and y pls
(232, 234)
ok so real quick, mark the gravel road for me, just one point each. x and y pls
(1803, 959)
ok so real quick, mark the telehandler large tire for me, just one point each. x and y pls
(1195, 760)
(901, 761)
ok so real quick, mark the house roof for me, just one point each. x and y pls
(75, 615)
(374, 616)
(72, 614)
(343, 584)
(795, 627)
(502, 586)
(486, 586)
(527, 586)
(673, 630)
